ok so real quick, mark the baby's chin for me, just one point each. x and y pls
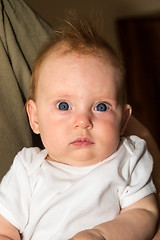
(77, 161)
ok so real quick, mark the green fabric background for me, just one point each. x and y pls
(22, 34)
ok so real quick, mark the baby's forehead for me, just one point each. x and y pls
(60, 52)
(58, 63)
(60, 57)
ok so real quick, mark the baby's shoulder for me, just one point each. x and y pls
(138, 152)
(134, 144)
(30, 158)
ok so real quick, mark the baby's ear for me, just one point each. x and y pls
(127, 111)
(32, 115)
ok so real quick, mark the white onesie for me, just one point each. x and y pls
(49, 200)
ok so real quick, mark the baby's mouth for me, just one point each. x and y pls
(82, 142)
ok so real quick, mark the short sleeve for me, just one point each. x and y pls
(15, 195)
(139, 168)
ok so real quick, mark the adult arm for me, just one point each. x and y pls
(136, 222)
(135, 127)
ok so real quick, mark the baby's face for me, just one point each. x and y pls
(76, 109)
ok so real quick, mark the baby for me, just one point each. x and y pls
(88, 182)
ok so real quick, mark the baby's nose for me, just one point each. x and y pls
(83, 121)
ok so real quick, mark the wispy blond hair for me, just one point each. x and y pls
(80, 34)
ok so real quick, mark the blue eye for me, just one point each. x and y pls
(63, 106)
(102, 107)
